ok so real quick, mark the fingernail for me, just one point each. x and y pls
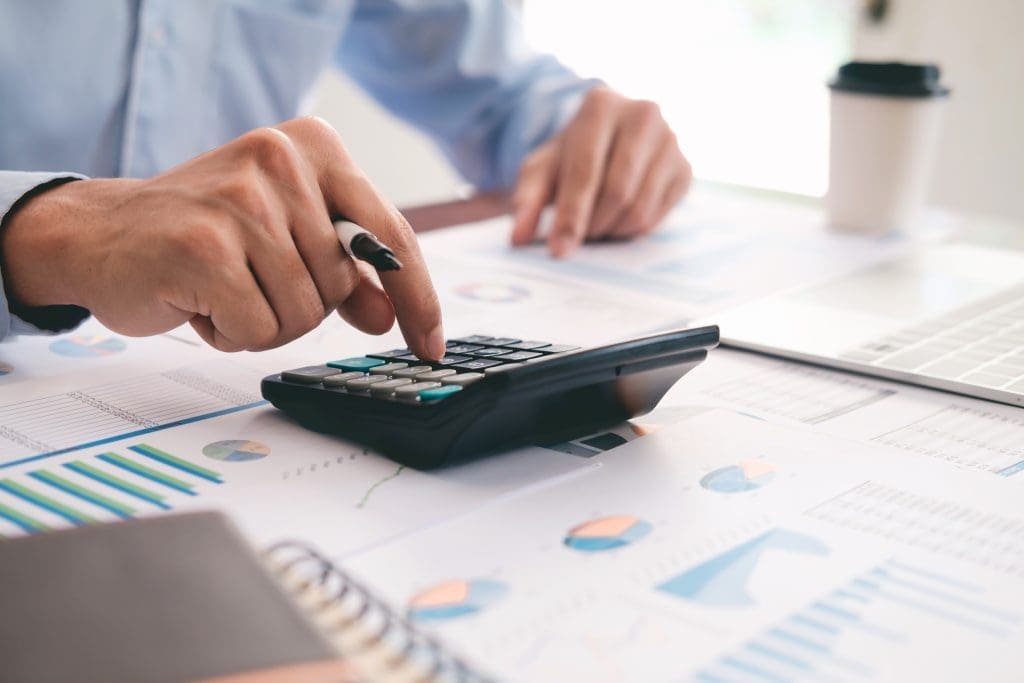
(562, 246)
(435, 343)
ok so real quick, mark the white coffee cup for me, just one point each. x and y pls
(885, 128)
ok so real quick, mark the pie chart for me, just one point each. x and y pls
(454, 599)
(236, 450)
(606, 533)
(748, 475)
(492, 292)
(87, 346)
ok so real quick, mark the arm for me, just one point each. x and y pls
(17, 189)
(461, 71)
(238, 242)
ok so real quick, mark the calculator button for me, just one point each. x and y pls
(478, 364)
(393, 353)
(439, 392)
(341, 379)
(362, 363)
(435, 375)
(463, 348)
(528, 345)
(452, 360)
(365, 382)
(473, 339)
(462, 379)
(311, 374)
(387, 387)
(412, 372)
(489, 351)
(559, 348)
(388, 368)
(411, 357)
(503, 341)
(518, 356)
(413, 390)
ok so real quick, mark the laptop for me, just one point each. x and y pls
(948, 316)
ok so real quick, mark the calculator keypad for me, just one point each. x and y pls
(399, 375)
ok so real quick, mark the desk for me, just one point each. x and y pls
(750, 457)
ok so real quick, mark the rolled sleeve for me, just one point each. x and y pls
(16, 187)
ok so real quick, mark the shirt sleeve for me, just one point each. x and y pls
(16, 187)
(460, 70)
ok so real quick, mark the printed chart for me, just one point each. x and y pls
(101, 487)
(87, 346)
(748, 475)
(856, 630)
(723, 580)
(236, 450)
(456, 598)
(42, 427)
(607, 533)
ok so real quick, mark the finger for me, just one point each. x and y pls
(349, 194)
(368, 308)
(584, 153)
(334, 273)
(634, 148)
(286, 282)
(240, 317)
(649, 205)
(534, 189)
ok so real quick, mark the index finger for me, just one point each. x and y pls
(349, 194)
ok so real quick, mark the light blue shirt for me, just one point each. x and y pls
(132, 87)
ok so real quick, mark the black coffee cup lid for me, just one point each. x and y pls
(892, 79)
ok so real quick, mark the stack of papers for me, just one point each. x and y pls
(768, 521)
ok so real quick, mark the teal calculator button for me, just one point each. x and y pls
(352, 364)
(438, 392)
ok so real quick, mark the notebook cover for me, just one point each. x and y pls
(173, 598)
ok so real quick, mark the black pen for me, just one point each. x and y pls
(362, 244)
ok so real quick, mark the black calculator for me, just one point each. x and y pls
(486, 394)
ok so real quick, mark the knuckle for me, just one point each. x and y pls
(600, 97)
(647, 111)
(242, 192)
(264, 144)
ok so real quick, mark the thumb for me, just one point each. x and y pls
(534, 189)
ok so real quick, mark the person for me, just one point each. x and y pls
(150, 181)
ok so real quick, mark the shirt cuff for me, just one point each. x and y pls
(16, 188)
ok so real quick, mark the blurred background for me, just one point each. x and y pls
(743, 84)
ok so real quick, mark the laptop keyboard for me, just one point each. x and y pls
(980, 344)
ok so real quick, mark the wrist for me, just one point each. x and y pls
(43, 242)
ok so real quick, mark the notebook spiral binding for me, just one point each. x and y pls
(377, 643)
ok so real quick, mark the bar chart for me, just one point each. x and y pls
(102, 487)
(858, 629)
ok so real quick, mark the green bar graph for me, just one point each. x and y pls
(176, 462)
(21, 520)
(45, 502)
(70, 487)
(87, 470)
(147, 472)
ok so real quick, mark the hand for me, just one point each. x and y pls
(613, 173)
(237, 241)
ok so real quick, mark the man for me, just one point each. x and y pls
(125, 98)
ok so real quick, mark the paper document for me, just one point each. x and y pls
(727, 548)
(962, 431)
(713, 252)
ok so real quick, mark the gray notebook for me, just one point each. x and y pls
(173, 598)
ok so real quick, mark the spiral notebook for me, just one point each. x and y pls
(184, 598)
